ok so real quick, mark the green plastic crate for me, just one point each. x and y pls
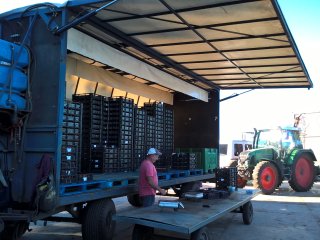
(207, 157)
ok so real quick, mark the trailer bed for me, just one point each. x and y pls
(194, 215)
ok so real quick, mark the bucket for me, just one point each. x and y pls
(19, 79)
(6, 53)
(16, 99)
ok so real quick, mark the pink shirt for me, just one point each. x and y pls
(147, 169)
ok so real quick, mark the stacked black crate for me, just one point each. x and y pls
(168, 130)
(226, 177)
(71, 142)
(184, 161)
(158, 111)
(168, 135)
(94, 131)
(120, 134)
(139, 143)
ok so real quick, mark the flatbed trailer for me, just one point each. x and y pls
(190, 220)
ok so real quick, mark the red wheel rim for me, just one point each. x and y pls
(268, 178)
(303, 172)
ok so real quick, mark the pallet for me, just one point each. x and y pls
(84, 187)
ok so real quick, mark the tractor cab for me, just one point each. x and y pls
(281, 140)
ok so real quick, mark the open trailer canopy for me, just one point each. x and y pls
(211, 44)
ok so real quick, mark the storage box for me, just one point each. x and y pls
(207, 157)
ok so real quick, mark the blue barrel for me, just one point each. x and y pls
(16, 99)
(19, 79)
(6, 53)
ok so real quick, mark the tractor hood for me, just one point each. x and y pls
(260, 153)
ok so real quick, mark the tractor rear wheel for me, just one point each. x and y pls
(302, 173)
(265, 177)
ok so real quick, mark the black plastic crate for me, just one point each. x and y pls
(184, 161)
(226, 177)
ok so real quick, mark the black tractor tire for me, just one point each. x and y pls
(302, 173)
(14, 231)
(134, 200)
(201, 234)
(247, 213)
(265, 177)
(142, 232)
(97, 222)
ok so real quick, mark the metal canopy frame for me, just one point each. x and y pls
(232, 50)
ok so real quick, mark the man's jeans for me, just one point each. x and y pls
(147, 200)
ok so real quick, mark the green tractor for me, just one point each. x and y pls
(277, 155)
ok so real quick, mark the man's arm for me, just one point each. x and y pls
(154, 186)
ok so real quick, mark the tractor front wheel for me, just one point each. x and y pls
(265, 177)
(302, 173)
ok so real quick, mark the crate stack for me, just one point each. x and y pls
(139, 146)
(226, 177)
(94, 128)
(184, 161)
(168, 131)
(120, 131)
(71, 142)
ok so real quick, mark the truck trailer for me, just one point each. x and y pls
(68, 71)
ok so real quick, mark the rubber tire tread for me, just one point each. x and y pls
(200, 233)
(247, 213)
(134, 200)
(256, 179)
(293, 182)
(93, 226)
(14, 232)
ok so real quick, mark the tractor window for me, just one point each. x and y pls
(290, 139)
(269, 139)
(238, 148)
(248, 146)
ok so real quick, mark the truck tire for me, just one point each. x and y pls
(97, 222)
(14, 231)
(201, 234)
(302, 173)
(265, 177)
(142, 232)
(247, 213)
(190, 187)
(134, 200)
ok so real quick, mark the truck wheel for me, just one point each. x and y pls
(134, 200)
(247, 213)
(190, 187)
(265, 177)
(142, 232)
(97, 223)
(201, 234)
(302, 173)
(14, 231)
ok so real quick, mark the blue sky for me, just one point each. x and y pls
(267, 108)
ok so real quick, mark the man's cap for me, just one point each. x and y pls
(154, 151)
